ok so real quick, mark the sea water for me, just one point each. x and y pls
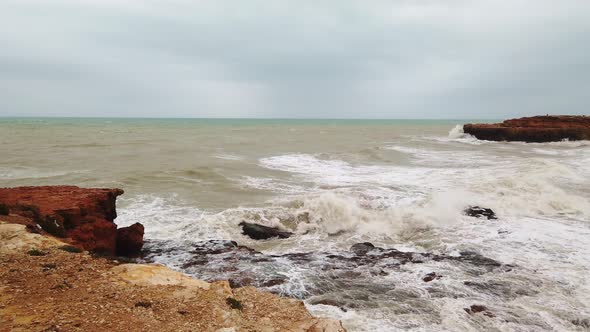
(399, 184)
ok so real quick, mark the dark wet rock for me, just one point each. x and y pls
(479, 212)
(474, 258)
(362, 248)
(261, 232)
(248, 279)
(431, 276)
(215, 260)
(476, 308)
(584, 322)
(354, 277)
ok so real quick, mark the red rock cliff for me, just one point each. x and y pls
(85, 216)
(534, 129)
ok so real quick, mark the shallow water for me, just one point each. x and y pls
(396, 184)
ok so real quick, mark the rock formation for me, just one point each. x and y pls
(214, 260)
(534, 129)
(261, 232)
(84, 216)
(46, 288)
(130, 240)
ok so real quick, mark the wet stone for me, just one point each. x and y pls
(361, 271)
(479, 212)
(261, 232)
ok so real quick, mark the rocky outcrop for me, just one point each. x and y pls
(46, 288)
(534, 129)
(83, 216)
(261, 232)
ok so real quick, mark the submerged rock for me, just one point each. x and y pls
(84, 216)
(261, 232)
(479, 212)
(534, 129)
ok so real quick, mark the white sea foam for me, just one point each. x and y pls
(270, 184)
(457, 132)
(514, 186)
(458, 158)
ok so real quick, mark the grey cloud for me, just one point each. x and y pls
(330, 59)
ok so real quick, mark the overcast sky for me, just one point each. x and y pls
(294, 59)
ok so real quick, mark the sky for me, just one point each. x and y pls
(294, 58)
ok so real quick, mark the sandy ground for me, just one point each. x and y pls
(46, 288)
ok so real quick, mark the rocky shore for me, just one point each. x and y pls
(536, 129)
(58, 272)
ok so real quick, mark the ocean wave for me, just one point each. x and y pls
(514, 185)
(440, 158)
(541, 252)
(271, 184)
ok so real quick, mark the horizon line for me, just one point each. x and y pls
(225, 118)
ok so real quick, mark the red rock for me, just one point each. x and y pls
(534, 129)
(85, 216)
(130, 240)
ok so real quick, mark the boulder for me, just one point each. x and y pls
(83, 216)
(130, 240)
(534, 129)
(261, 232)
(479, 212)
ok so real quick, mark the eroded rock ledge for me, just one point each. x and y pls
(536, 129)
(44, 286)
(85, 217)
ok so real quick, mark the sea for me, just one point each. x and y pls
(401, 185)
